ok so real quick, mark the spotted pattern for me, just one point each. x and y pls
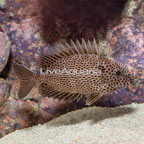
(109, 75)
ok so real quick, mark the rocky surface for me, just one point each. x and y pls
(4, 50)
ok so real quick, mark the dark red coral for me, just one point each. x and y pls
(76, 18)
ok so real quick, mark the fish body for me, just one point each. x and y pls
(72, 74)
(75, 70)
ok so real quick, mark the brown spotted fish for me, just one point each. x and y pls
(74, 70)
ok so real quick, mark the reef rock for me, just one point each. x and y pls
(4, 50)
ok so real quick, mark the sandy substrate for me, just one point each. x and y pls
(93, 125)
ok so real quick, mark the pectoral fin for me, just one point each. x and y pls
(93, 98)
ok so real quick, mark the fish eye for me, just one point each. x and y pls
(118, 73)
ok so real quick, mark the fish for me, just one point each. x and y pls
(74, 70)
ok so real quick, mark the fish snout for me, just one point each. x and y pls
(134, 80)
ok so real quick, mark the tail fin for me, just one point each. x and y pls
(26, 79)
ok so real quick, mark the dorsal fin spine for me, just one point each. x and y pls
(79, 46)
(94, 45)
(69, 48)
(64, 49)
(84, 46)
(89, 46)
(75, 47)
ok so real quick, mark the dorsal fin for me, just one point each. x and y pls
(65, 49)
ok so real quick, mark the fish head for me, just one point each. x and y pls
(116, 75)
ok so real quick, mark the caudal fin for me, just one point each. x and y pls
(26, 79)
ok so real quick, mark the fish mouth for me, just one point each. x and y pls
(134, 81)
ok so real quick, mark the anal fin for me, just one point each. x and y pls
(47, 91)
(93, 98)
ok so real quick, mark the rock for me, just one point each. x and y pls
(4, 50)
(2, 3)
